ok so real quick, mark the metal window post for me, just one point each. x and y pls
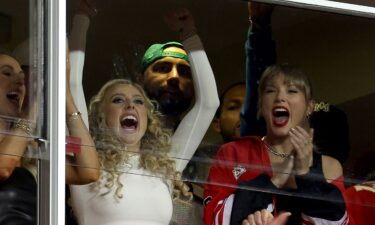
(52, 166)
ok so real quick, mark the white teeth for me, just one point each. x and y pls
(130, 117)
(280, 110)
(13, 94)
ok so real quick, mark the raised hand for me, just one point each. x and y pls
(303, 149)
(260, 13)
(181, 20)
(264, 217)
(85, 7)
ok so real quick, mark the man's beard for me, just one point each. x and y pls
(172, 103)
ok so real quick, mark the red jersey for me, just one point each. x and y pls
(361, 203)
(247, 159)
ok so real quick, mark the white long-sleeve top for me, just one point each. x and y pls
(194, 125)
(146, 198)
(77, 46)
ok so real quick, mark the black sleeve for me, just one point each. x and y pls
(260, 52)
(320, 198)
(251, 196)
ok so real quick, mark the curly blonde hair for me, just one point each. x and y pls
(154, 149)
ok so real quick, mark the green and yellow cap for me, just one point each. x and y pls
(156, 51)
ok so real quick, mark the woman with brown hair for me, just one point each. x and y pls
(280, 171)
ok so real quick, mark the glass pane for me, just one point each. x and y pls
(138, 158)
(22, 110)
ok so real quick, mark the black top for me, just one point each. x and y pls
(18, 199)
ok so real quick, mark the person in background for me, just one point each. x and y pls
(227, 117)
(166, 72)
(361, 196)
(18, 172)
(227, 124)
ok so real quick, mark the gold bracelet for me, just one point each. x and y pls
(74, 116)
(24, 126)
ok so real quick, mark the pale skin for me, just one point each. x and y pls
(264, 217)
(292, 137)
(84, 167)
(13, 146)
(119, 102)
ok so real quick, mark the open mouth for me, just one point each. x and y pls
(129, 123)
(14, 97)
(280, 116)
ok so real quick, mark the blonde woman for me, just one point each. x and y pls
(140, 159)
(136, 183)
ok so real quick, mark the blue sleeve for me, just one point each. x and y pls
(260, 53)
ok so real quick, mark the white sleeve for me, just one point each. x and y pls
(194, 125)
(77, 45)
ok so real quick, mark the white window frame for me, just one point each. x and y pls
(51, 182)
(52, 171)
(327, 6)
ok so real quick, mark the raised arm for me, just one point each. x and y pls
(260, 53)
(83, 166)
(13, 146)
(194, 125)
(14, 135)
(84, 9)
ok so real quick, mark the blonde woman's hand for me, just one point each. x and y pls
(303, 149)
(85, 7)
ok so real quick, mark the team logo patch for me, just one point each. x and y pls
(207, 200)
(238, 171)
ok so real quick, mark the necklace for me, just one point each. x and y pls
(274, 152)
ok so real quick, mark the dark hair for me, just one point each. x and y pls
(222, 96)
(331, 132)
(363, 166)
